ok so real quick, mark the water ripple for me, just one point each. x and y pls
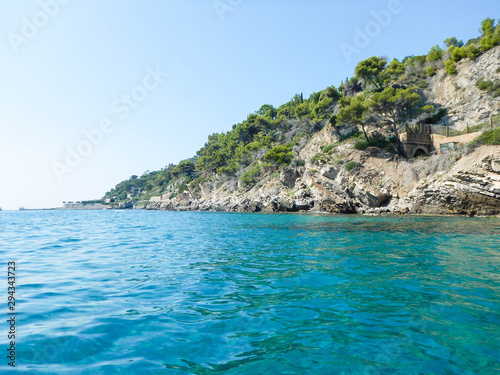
(203, 293)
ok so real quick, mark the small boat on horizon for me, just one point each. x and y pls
(21, 208)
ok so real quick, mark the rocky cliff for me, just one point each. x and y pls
(368, 182)
(466, 104)
(345, 180)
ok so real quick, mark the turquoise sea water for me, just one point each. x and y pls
(135, 292)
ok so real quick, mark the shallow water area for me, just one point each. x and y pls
(129, 292)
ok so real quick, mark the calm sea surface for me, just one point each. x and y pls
(135, 292)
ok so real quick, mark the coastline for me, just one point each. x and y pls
(467, 186)
(311, 212)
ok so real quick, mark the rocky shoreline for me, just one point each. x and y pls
(448, 184)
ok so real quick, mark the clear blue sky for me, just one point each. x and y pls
(64, 67)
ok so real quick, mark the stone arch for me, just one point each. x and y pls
(420, 151)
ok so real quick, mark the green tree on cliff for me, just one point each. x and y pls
(491, 34)
(370, 70)
(392, 107)
(353, 113)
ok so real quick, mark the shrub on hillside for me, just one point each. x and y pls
(376, 140)
(328, 149)
(423, 84)
(380, 142)
(450, 68)
(491, 34)
(484, 85)
(281, 155)
(473, 52)
(301, 162)
(430, 71)
(361, 144)
(489, 86)
(302, 110)
(435, 54)
(249, 178)
(350, 165)
(320, 109)
(458, 53)
(490, 137)
(319, 158)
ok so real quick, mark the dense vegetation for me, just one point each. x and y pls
(381, 99)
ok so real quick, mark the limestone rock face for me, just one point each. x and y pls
(331, 173)
(459, 94)
(474, 190)
(456, 200)
(126, 205)
(248, 205)
(288, 177)
(448, 184)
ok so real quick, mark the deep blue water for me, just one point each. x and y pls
(135, 292)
